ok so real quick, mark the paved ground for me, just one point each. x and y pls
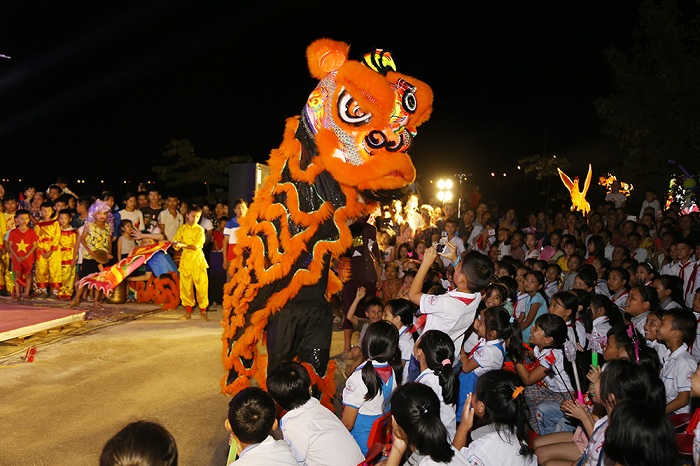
(126, 363)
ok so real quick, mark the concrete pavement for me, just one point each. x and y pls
(80, 390)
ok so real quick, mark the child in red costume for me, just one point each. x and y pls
(22, 242)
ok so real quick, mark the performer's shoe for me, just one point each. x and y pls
(203, 315)
(188, 313)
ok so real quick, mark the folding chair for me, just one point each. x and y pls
(684, 439)
(379, 437)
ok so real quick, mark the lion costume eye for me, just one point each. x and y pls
(409, 102)
(350, 111)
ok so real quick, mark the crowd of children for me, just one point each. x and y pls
(561, 339)
(53, 238)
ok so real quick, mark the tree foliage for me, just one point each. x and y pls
(654, 113)
(187, 169)
(543, 167)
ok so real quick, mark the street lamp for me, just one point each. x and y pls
(461, 177)
(444, 193)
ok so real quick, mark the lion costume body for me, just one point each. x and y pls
(346, 152)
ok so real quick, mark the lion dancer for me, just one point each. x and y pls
(345, 154)
(48, 262)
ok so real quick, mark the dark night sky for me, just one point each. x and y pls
(100, 87)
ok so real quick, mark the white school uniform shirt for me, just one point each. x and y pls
(490, 447)
(655, 204)
(448, 413)
(447, 312)
(689, 272)
(419, 460)
(620, 299)
(668, 303)
(601, 325)
(609, 248)
(317, 437)
(458, 243)
(534, 254)
(580, 333)
(355, 391)
(406, 345)
(488, 356)
(601, 287)
(695, 351)
(552, 359)
(595, 444)
(551, 288)
(670, 269)
(640, 254)
(470, 342)
(661, 349)
(269, 452)
(676, 373)
(639, 321)
(503, 250)
(521, 306)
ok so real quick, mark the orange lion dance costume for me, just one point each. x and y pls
(345, 153)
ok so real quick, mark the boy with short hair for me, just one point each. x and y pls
(48, 261)
(454, 311)
(22, 243)
(315, 435)
(251, 418)
(451, 230)
(687, 269)
(193, 265)
(677, 331)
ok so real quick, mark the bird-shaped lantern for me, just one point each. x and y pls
(578, 196)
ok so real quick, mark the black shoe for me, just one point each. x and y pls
(4, 292)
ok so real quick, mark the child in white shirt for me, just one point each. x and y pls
(313, 432)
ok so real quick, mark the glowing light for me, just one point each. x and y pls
(578, 197)
(607, 182)
(444, 186)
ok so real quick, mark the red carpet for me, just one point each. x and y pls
(17, 320)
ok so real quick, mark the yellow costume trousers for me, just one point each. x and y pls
(49, 271)
(193, 266)
(200, 280)
(6, 280)
(67, 245)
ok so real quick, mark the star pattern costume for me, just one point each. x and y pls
(21, 243)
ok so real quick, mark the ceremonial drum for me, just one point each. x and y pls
(118, 295)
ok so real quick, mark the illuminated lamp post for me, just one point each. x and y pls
(444, 193)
